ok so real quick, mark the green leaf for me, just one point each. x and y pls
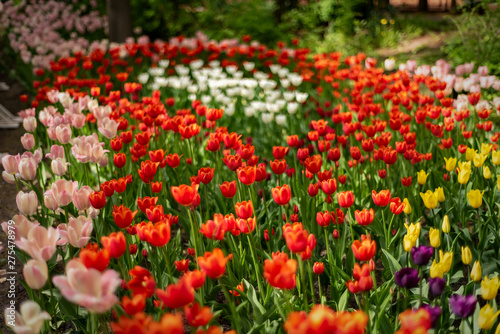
(393, 263)
(258, 309)
(343, 301)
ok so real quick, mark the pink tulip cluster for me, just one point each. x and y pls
(34, 29)
(21, 166)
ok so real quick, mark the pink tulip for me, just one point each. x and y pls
(36, 273)
(10, 163)
(27, 203)
(483, 70)
(56, 152)
(88, 288)
(62, 190)
(49, 201)
(29, 123)
(40, 243)
(27, 168)
(389, 64)
(28, 141)
(108, 127)
(81, 197)
(63, 133)
(59, 166)
(93, 212)
(52, 96)
(51, 131)
(21, 227)
(30, 319)
(76, 232)
(78, 120)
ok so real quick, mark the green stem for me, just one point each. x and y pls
(257, 271)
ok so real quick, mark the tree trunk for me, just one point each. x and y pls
(119, 20)
(423, 6)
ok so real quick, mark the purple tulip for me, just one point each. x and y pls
(407, 278)
(463, 306)
(434, 312)
(436, 287)
(421, 255)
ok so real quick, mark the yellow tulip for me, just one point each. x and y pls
(446, 259)
(430, 199)
(409, 241)
(466, 255)
(422, 177)
(486, 148)
(445, 226)
(407, 209)
(413, 229)
(487, 317)
(479, 159)
(464, 165)
(451, 163)
(497, 331)
(440, 194)
(489, 287)
(495, 158)
(436, 269)
(476, 272)
(486, 172)
(434, 237)
(470, 153)
(463, 176)
(475, 198)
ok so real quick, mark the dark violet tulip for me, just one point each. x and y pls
(421, 255)
(463, 306)
(436, 287)
(407, 278)
(434, 312)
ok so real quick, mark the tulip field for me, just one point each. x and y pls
(201, 186)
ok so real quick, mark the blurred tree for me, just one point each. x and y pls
(423, 5)
(284, 6)
(119, 20)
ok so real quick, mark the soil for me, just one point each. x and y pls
(9, 143)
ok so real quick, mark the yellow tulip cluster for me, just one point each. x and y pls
(411, 236)
(431, 198)
(438, 269)
(489, 290)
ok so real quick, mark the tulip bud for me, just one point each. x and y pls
(466, 255)
(28, 141)
(132, 249)
(35, 273)
(144, 253)
(318, 268)
(476, 272)
(29, 123)
(486, 172)
(445, 226)
(336, 234)
(59, 167)
(407, 209)
(434, 237)
(27, 203)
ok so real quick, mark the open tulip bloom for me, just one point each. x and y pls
(204, 184)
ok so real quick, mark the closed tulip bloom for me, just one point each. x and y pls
(470, 153)
(413, 229)
(282, 195)
(489, 287)
(123, 216)
(463, 176)
(247, 175)
(228, 189)
(365, 249)
(450, 164)
(81, 197)
(115, 243)
(364, 217)
(430, 199)
(421, 255)
(466, 255)
(27, 168)
(440, 194)
(434, 237)
(29, 319)
(463, 306)
(345, 199)
(495, 158)
(244, 210)
(422, 177)
(382, 198)
(436, 287)
(36, 273)
(487, 317)
(407, 209)
(479, 159)
(475, 198)
(445, 226)
(407, 278)
(213, 263)
(196, 315)
(185, 194)
(27, 203)
(409, 242)
(77, 232)
(318, 268)
(476, 272)
(446, 259)
(329, 186)
(486, 172)
(436, 270)
(323, 218)
(397, 206)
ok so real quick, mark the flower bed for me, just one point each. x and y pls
(191, 183)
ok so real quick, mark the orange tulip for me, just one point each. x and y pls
(115, 243)
(345, 198)
(247, 175)
(197, 316)
(213, 263)
(382, 198)
(157, 234)
(244, 210)
(282, 194)
(177, 295)
(365, 249)
(93, 257)
(296, 237)
(313, 164)
(184, 194)
(123, 216)
(329, 186)
(133, 305)
(228, 189)
(364, 217)
(278, 166)
(280, 271)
